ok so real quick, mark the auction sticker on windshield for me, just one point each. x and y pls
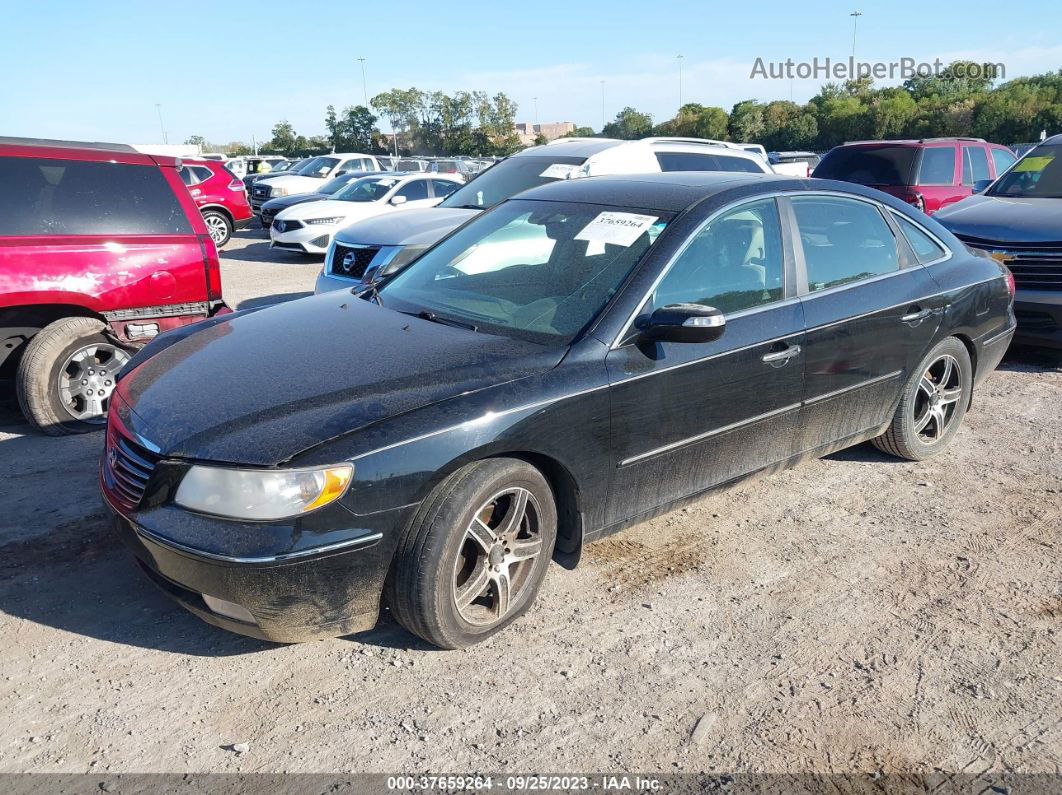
(617, 229)
(559, 171)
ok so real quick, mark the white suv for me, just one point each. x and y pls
(386, 244)
(308, 178)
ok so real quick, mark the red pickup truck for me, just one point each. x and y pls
(102, 248)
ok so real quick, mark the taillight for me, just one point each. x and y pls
(212, 266)
(1010, 280)
(237, 184)
(915, 199)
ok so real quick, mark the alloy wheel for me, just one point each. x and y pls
(939, 391)
(87, 378)
(497, 554)
(217, 228)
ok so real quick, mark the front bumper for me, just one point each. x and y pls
(309, 239)
(1039, 314)
(332, 591)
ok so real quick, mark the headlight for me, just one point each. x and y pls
(401, 259)
(278, 191)
(333, 220)
(261, 494)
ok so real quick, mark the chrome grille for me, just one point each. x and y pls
(1035, 266)
(127, 468)
(352, 261)
(260, 191)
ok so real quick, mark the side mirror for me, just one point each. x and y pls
(397, 200)
(982, 185)
(685, 323)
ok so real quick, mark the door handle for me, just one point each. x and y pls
(783, 355)
(918, 314)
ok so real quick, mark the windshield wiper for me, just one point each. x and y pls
(468, 207)
(434, 318)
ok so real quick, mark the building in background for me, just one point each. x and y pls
(551, 131)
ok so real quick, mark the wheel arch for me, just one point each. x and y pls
(570, 517)
(221, 208)
(21, 322)
(972, 350)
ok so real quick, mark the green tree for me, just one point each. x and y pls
(580, 132)
(540, 140)
(197, 140)
(746, 123)
(284, 140)
(629, 125)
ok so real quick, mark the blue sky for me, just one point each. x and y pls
(229, 70)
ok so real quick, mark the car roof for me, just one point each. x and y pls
(671, 191)
(80, 150)
(1054, 139)
(914, 141)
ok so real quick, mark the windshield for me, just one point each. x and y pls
(539, 271)
(334, 185)
(366, 189)
(1038, 174)
(508, 178)
(318, 167)
(869, 165)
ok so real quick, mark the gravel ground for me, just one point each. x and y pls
(855, 614)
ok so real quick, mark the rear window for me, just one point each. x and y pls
(694, 161)
(75, 197)
(869, 165)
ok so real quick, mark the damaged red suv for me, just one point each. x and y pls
(102, 248)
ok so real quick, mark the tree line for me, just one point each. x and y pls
(949, 104)
(477, 124)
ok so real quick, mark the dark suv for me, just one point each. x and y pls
(102, 248)
(929, 174)
(1018, 221)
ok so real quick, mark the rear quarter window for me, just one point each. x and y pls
(73, 197)
(938, 166)
(926, 249)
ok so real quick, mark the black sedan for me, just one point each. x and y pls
(579, 358)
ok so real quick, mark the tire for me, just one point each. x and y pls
(442, 561)
(72, 354)
(933, 404)
(219, 226)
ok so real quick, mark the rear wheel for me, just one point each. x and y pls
(933, 404)
(67, 374)
(475, 556)
(219, 226)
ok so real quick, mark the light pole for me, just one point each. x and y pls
(158, 110)
(855, 15)
(364, 90)
(602, 106)
(536, 110)
(679, 58)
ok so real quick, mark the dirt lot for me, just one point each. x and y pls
(857, 614)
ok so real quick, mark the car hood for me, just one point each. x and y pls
(331, 207)
(294, 182)
(284, 202)
(262, 387)
(1005, 219)
(410, 227)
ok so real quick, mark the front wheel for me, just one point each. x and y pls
(474, 558)
(933, 403)
(219, 226)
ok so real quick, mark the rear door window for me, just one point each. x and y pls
(1002, 160)
(844, 240)
(938, 166)
(72, 197)
(974, 165)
